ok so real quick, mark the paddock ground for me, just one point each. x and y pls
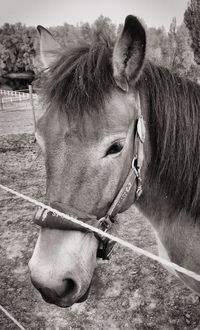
(128, 292)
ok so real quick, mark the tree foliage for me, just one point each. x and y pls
(192, 21)
(183, 57)
(173, 50)
(16, 48)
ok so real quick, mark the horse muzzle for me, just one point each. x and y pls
(65, 299)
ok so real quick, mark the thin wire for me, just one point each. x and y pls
(109, 236)
(12, 318)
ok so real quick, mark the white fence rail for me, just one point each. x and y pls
(11, 93)
(15, 96)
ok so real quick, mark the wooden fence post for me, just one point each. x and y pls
(30, 88)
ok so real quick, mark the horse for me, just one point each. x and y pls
(115, 127)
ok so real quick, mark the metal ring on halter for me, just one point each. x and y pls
(133, 161)
(136, 169)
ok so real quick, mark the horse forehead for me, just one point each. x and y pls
(119, 113)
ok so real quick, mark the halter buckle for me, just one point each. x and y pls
(105, 223)
(105, 245)
(136, 168)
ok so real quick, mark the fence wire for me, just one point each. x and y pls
(102, 233)
(107, 235)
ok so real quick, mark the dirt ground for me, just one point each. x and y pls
(128, 292)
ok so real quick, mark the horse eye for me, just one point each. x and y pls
(114, 149)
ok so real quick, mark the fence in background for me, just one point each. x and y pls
(11, 100)
(18, 111)
(11, 93)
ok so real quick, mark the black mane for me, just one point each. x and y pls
(81, 80)
(174, 127)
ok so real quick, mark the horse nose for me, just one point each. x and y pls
(62, 293)
(61, 266)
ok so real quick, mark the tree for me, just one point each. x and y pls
(16, 48)
(157, 46)
(172, 50)
(86, 31)
(183, 57)
(192, 21)
(104, 26)
(172, 41)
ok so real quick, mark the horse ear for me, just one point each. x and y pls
(49, 48)
(129, 53)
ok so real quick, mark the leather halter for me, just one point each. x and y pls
(45, 218)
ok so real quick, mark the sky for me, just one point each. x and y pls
(56, 12)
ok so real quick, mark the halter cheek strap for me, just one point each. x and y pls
(134, 177)
(45, 218)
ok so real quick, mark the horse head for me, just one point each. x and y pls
(87, 135)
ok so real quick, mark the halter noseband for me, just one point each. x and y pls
(45, 218)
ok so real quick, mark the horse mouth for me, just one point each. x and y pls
(62, 303)
(85, 296)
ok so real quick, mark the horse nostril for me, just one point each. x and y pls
(48, 295)
(70, 287)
